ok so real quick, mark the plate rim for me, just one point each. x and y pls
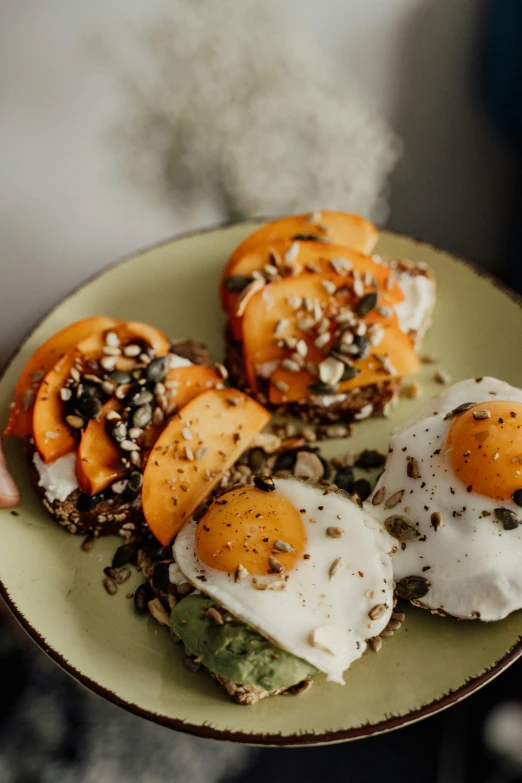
(205, 730)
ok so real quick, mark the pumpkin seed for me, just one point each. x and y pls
(318, 387)
(366, 304)
(401, 528)
(142, 595)
(508, 518)
(237, 283)
(394, 499)
(344, 478)
(370, 458)
(157, 370)
(141, 416)
(256, 460)
(90, 407)
(120, 377)
(124, 554)
(362, 488)
(412, 587)
(136, 398)
(517, 497)
(460, 409)
(133, 487)
(264, 483)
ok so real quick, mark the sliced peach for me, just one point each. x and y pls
(98, 462)
(311, 256)
(190, 381)
(222, 421)
(52, 436)
(42, 360)
(340, 228)
(92, 346)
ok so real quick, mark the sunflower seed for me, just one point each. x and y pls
(159, 612)
(276, 584)
(412, 468)
(191, 665)
(429, 358)
(394, 499)
(377, 611)
(283, 546)
(508, 518)
(241, 573)
(329, 286)
(387, 632)
(376, 643)
(436, 520)
(131, 351)
(280, 385)
(517, 497)
(308, 466)
(480, 415)
(336, 567)
(128, 445)
(394, 625)
(334, 532)
(331, 371)
(401, 528)
(322, 340)
(215, 616)
(412, 587)
(291, 254)
(275, 565)
(110, 585)
(442, 377)
(65, 394)
(200, 452)
(246, 295)
(341, 266)
(112, 339)
(379, 496)
(76, 422)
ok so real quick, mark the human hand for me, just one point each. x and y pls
(9, 495)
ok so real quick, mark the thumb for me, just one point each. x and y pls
(9, 495)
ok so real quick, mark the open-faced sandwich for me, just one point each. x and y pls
(316, 326)
(90, 404)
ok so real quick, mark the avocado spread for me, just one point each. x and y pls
(234, 650)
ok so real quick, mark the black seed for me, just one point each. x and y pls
(124, 554)
(143, 594)
(412, 587)
(142, 416)
(264, 483)
(160, 576)
(344, 479)
(366, 304)
(157, 370)
(237, 283)
(88, 502)
(517, 497)
(349, 373)
(318, 387)
(89, 407)
(256, 460)
(363, 488)
(285, 460)
(508, 518)
(370, 458)
(119, 377)
(309, 238)
(401, 528)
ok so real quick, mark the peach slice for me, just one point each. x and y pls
(42, 360)
(52, 435)
(192, 454)
(190, 381)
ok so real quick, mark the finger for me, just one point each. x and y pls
(9, 495)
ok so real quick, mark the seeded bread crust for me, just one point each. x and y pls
(374, 400)
(111, 516)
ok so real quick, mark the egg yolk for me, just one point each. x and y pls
(241, 528)
(486, 453)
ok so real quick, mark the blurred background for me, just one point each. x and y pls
(122, 123)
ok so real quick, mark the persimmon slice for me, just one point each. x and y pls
(98, 462)
(197, 447)
(340, 228)
(42, 360)
(52, 436)
(189, 382)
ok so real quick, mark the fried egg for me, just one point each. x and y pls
(309, 570)
(451, 494)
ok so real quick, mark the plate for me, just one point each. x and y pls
(55, 589)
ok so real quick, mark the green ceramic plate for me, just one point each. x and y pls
(54, 588)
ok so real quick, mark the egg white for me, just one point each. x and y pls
(311, 599)
(473, 565)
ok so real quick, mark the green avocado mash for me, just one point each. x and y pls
(234, 650)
